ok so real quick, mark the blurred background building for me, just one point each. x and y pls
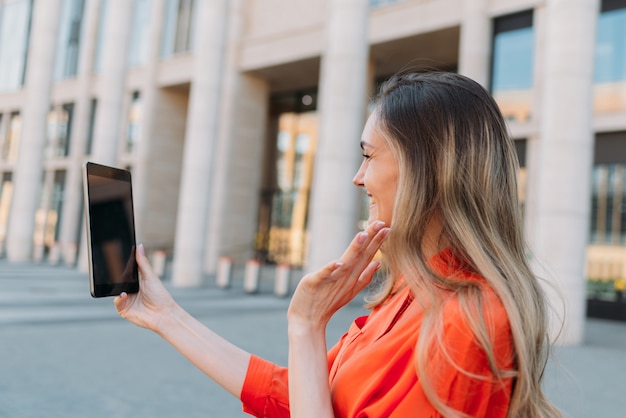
(240, 121)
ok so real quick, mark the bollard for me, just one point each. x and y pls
(251, 279)
(70, 255)
(224, 272)
(158, 262)
(281, 283)
(38, 253)
(54, 256)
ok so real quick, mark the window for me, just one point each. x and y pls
(2, 134)
(6, 190)
(606, 252)
(610, 58)
(522, 175)
(140, 33)
(608, 204)
(15, 18)
(12, 140)
(92, 124)
(59, 131)
(68, 43)
(283, 214)
(133, 131)
(48, 216)
(512, 65)
(179, 28)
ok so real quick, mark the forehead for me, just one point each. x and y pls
(371, 135)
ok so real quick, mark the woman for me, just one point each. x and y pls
(458, 326)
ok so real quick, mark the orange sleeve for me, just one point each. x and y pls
(265, 391)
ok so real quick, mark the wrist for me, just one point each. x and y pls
(303, 327)
(170, 316)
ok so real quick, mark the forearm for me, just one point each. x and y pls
(309, 393)
(222, 361)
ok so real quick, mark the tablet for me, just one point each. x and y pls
(110, 230)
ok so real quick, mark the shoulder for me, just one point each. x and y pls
(469, 296)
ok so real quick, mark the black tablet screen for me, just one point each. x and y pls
(112, 230)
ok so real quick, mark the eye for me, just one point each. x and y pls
(366, 156)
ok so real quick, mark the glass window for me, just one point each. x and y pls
(283, 213)
(12, 140)
(14, 31)
(140, 33)
(55, 209)
(133, 131)
(2, 133)
(68, 43)
(610, 58)
(179, 27)
(6, 190)
(512, 65)
(59, 130)
(522, 175)
(608, 204)
(92, 124)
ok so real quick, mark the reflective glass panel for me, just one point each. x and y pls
(512, 65)
(610, 62)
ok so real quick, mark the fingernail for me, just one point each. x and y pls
(379, 225)
(378, 265)
(338, 264)
(386, 232)
(141, 249)
(362, 237)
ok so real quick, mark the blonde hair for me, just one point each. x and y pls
(458, 165)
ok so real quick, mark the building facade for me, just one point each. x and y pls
(240, 121)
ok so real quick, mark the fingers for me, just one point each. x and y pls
(365, 245)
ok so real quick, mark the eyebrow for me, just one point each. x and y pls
(365, 144)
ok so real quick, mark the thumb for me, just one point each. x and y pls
(142, 261)
(120, 302)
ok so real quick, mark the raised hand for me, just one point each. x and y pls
(320, 294)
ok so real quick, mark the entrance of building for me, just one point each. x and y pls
(283, 214)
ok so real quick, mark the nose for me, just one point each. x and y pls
(358, 177)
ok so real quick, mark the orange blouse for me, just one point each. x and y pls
(372, 370)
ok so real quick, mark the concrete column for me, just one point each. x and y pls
(475, 47)
(27, 175)
(112, 82)
(198, 159)
(564, 158)
(72, 217)
(233, 208)
(342, 108)
(149, 97)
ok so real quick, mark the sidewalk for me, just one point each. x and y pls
(64, 354)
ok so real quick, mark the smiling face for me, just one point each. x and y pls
(378, 173)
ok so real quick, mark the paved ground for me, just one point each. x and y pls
(64, 354)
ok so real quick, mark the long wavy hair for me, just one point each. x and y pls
(458, 164)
